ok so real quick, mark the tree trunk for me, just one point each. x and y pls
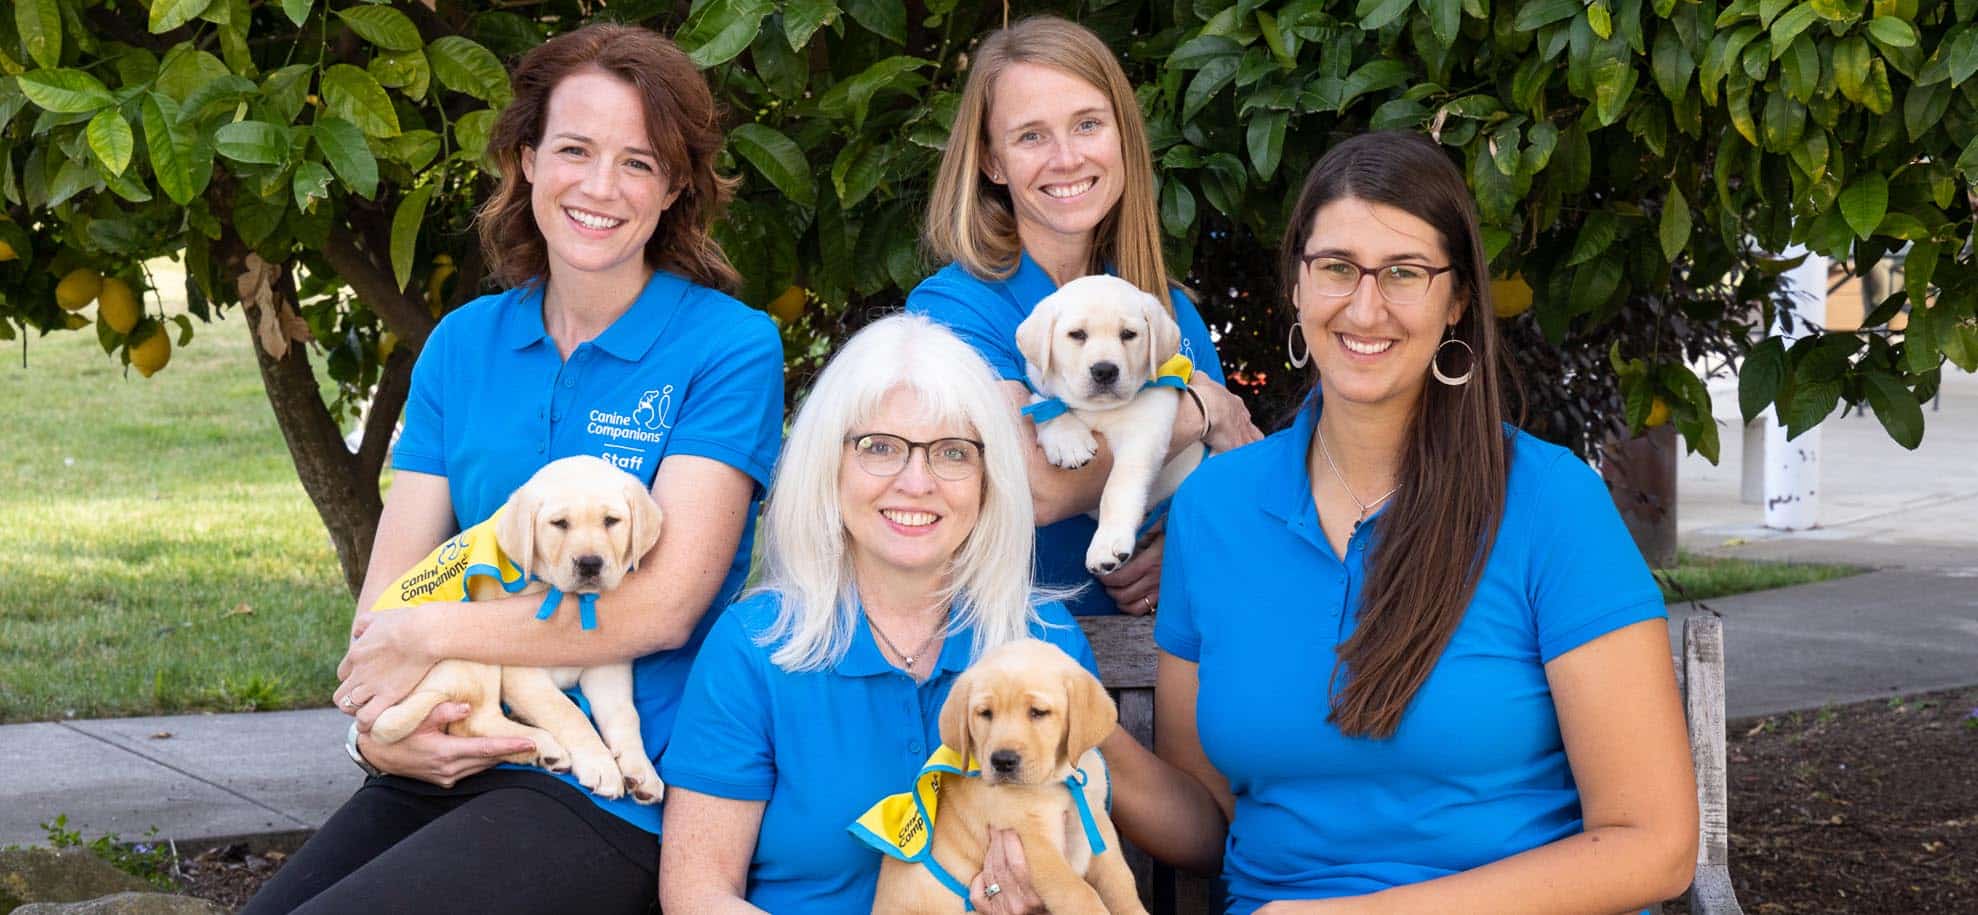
(1641, 474)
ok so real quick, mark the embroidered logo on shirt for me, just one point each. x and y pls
(625, 434)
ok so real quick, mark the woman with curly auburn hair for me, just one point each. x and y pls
(612, 339)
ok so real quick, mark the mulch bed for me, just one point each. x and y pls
(1865, 808)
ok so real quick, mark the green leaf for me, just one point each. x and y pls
(1613, 81)
(1837, 10)
(310, 184)
(471, 132)
(1265, 139)
(167, 15)
(64, 91)
(1924, 107)
(1811, 403)
(405, 70)
(1675, 228)
(1758, 382)
(802, 19)
(778, 158)
(1197, 52)
(1852, 59)
(1799, 70)
(186, 70)
(853, 97)
(1877, 96)
(1595, 283)
(383, 26)
(110, 138)
(717, 31)
(1377, 14)
(1376, 75)
(1919, 268)
(1445, 18)
(39, 23)
(405, 232)
(1535, 13)
(1896, 407)
(1864, 203)
(1596, 235)
(1892, 31)
(1919, 341)
(885, 18)
(256, 142)
(1673, 63)
(413, 149)
(1207, 82)
(464, 66)
(857, 172)
(170, 147)
(297, 10)
(1788, 26)
(344, 148)
(1785, 120)
(1600, 20)
(1177, 206)
(1811, 154)
(351, 94)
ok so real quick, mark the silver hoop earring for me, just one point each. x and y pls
(1435, 364)
(1291, 342)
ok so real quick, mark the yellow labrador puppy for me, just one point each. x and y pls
(577, 525)
(1093, 344)
(1026, 713)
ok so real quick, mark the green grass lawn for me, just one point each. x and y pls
(1705, 577)
(156, 552)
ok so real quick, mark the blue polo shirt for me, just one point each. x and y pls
(1252, 591)
(985, 313)
(818, 747)
(687, 370)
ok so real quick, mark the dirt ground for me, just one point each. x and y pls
(1866, 808)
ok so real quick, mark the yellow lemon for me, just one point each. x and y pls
(1511, 298)
(117, 305)
(436, 283)
(78, 289)
(387, 342)
(1658, 413)
(152, 349)
(7, 252)
(790, 305)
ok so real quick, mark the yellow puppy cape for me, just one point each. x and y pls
(446, 572)
(902, 825)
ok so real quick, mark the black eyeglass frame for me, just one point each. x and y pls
(926, 448)
(1305, 267)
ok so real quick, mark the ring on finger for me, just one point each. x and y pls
(347, 702)
(990, 891)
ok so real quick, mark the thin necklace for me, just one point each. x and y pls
(907, 661)
(1366, 508)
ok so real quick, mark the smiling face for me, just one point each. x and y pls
(1368, 350)
(913, 522)
(596, 188)
(1054, 142)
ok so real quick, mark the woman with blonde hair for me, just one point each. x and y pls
(896, 551)
(1048, 177)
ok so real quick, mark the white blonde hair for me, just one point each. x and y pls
(807, 559)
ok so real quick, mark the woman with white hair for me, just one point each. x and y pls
(897, 550)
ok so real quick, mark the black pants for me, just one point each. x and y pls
(501, 841)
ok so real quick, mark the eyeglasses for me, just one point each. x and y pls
(1401, 284)
(884, 455)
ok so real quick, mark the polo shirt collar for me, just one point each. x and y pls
(629, 338)
(1029, 284)
(864, 659)
(1291, 498)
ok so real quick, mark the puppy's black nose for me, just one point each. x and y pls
(589, 566)
(1105, 372)
(1005, 761)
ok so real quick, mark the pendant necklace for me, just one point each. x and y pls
(1366, 508)
(907, 661)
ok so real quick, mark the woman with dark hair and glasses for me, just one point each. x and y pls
(896, 551)
(1411, 655)
(615, 338)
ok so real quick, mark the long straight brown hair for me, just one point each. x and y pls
(1437, 533)
(970, 219)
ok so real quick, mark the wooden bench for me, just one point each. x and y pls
(1126, 652)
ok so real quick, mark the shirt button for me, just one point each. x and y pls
(539, 449)
(556, 417)
(569, 382)
(914, 748)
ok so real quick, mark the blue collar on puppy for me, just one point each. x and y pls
(587, 607)
(1173, 373)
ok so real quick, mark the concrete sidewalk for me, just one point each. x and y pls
(1910, 626)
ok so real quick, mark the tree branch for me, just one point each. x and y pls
(372, 281)
(387, 401)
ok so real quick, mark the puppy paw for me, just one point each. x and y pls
(1067, 442)
(550, 754)
(599, 773)
(1110, 549)
(641, 781)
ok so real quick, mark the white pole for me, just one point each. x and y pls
(1792, 469)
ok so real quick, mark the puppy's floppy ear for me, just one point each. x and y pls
(515, 532)
(1090, 714)
(954, 717)
(1035, 336)
(644, 522)
(1163, 334)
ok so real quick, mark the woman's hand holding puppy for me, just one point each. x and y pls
(1005, 869)
(432, 755)
(381, 666)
